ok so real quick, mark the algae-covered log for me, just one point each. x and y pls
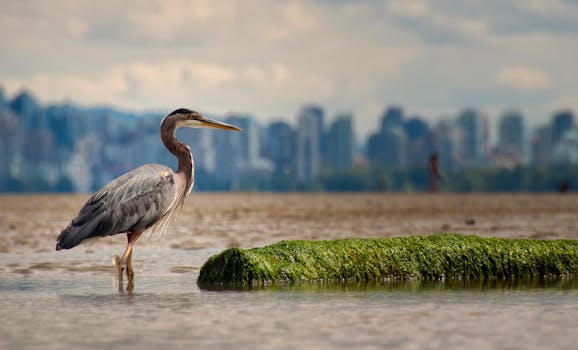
(422, 257)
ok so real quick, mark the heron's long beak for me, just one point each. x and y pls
(209, 123)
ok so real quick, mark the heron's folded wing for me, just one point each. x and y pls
(135, 200)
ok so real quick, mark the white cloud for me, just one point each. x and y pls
(522, 77)
(261, 57)
(541, 7)
(268, 57)
(76, 28)
(300, 16)
(165, 21)
(213, 87)
(408, 8)
(133, 85)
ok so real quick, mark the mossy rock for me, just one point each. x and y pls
(440, 256)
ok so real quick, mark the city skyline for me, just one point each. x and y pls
(493, 119)
(79, 149)
(267, 58)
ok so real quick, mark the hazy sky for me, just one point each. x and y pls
(268, 58)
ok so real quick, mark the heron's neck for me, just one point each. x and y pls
(180, 150)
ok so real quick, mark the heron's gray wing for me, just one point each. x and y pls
(135, 200)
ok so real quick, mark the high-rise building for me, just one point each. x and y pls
(281, 148)
(27, 108)
(392, 117)
(11, 146)
(566, 150)
(419, 141)
(561, 122)
(60, 122)
(447, 141)
(541, 145)
(3, 99)
(340, 142)
(512, 138)
(248, 150)
(388, 147)
(309, 143)
(232, 149)
(474, 129)
(237, 158)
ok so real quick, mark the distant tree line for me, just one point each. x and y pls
(369, 179)
(416, 179)
(516, 179)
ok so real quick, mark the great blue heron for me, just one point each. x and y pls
(148, 196)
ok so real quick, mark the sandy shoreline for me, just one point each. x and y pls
(32, 222)
(29, 224)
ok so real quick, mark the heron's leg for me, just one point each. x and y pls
(126, 261)
(129, 270)
(131, 237)
(129, 274)
(116, 262)
(127, 255)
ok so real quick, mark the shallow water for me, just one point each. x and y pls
(69, 299)
(56, 309)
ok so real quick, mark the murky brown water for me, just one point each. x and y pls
(68, 299)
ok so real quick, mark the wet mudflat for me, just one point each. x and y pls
(68, 299)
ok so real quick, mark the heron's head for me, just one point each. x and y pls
(192, 119)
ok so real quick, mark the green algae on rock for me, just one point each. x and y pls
(436, 256)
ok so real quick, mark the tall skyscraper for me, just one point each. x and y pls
(419, 141)
(248, 140)
(11, 146)
(227, 152)
(541, 145)
(392, 117)
(474, 129)
(512, 138)
(340, 142)
(566, 150)
(561, 122)
(389, 146)
(27, 108)
(237, 155)
(3, 99)
(281, 148)
(448, 139)
(309, 142)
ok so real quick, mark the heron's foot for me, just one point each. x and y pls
(129, 271)
(130, 281)
(124, 266)
(129, 274)
(116, 260)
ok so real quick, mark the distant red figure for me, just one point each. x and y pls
(434, 173)
(564, 186)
